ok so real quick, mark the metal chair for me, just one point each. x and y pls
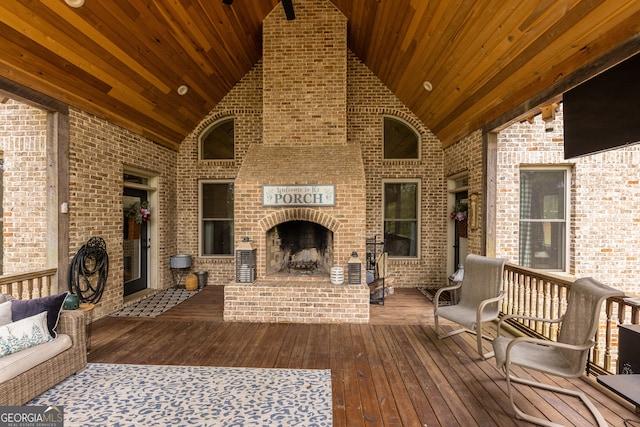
(566, 357)
(480, 291)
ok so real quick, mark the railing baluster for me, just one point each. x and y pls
(538, 294)
(33, 284)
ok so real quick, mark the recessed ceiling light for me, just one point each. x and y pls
(182, 90)
(427, 86)
(74, 3)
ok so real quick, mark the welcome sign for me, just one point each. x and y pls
(298, 195)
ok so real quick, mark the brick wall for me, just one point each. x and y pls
(604, 221)
(304, 75)
(465, 156)
(98, 152)
(244, 104)
(333, 96)
(367, 101)
(24, 196)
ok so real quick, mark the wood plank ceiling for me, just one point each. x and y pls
(124, 60)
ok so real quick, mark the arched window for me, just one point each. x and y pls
(216, 141)
(400, 140)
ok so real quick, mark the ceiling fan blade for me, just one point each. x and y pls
(287, 5)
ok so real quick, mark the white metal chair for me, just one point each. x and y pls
(480, 291)
(566, 357)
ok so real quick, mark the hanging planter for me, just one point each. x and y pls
(459, 215)
(133, 229)
(136, 214)
(462, 228)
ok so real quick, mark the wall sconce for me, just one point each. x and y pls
(354, 275)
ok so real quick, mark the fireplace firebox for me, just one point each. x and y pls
(299, 248)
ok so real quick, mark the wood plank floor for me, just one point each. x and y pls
(393, 371)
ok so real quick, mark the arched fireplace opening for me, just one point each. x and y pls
(299, 248)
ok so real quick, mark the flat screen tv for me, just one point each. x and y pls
(604, 112)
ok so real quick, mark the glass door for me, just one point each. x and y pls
(135, 240)
(460, 244)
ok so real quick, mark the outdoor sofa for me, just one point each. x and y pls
(27, 373)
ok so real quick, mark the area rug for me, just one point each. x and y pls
(151, 395)
(156, 304)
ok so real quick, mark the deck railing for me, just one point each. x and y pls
(535, 293)
(32, 284)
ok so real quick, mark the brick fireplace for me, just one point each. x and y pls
(304, 143)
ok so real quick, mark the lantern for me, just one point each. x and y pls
(245, 262)
(354, 275)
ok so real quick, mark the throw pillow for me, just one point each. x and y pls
(5, 313)
(21, 309)
(24, 333)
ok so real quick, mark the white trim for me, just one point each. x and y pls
(201, 182)
(567, 208)
(151, 187)
(452, 191)
(418, 183)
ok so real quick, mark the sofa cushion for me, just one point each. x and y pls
(24, 333)
(14, 364)
(52, 304)
(5, 313)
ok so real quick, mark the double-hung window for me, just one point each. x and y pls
(543, 218)
(401, 213)
(216, 211)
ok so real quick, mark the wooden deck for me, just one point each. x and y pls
(392, 372)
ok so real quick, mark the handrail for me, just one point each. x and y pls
(536, 293)
(28, 285)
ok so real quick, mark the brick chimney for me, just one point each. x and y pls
(305, 75)
(305, 133)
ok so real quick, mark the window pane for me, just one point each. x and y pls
(542, 237)
(400, 141)
(401, 238)
(542, 245)
(400, 200)
(542, 194)
(217, 200)
(217, 141)
(217, 238)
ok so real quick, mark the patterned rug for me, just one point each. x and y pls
(151, 395)
(156, 304)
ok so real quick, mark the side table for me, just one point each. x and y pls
(88, 308)
(625, 386)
